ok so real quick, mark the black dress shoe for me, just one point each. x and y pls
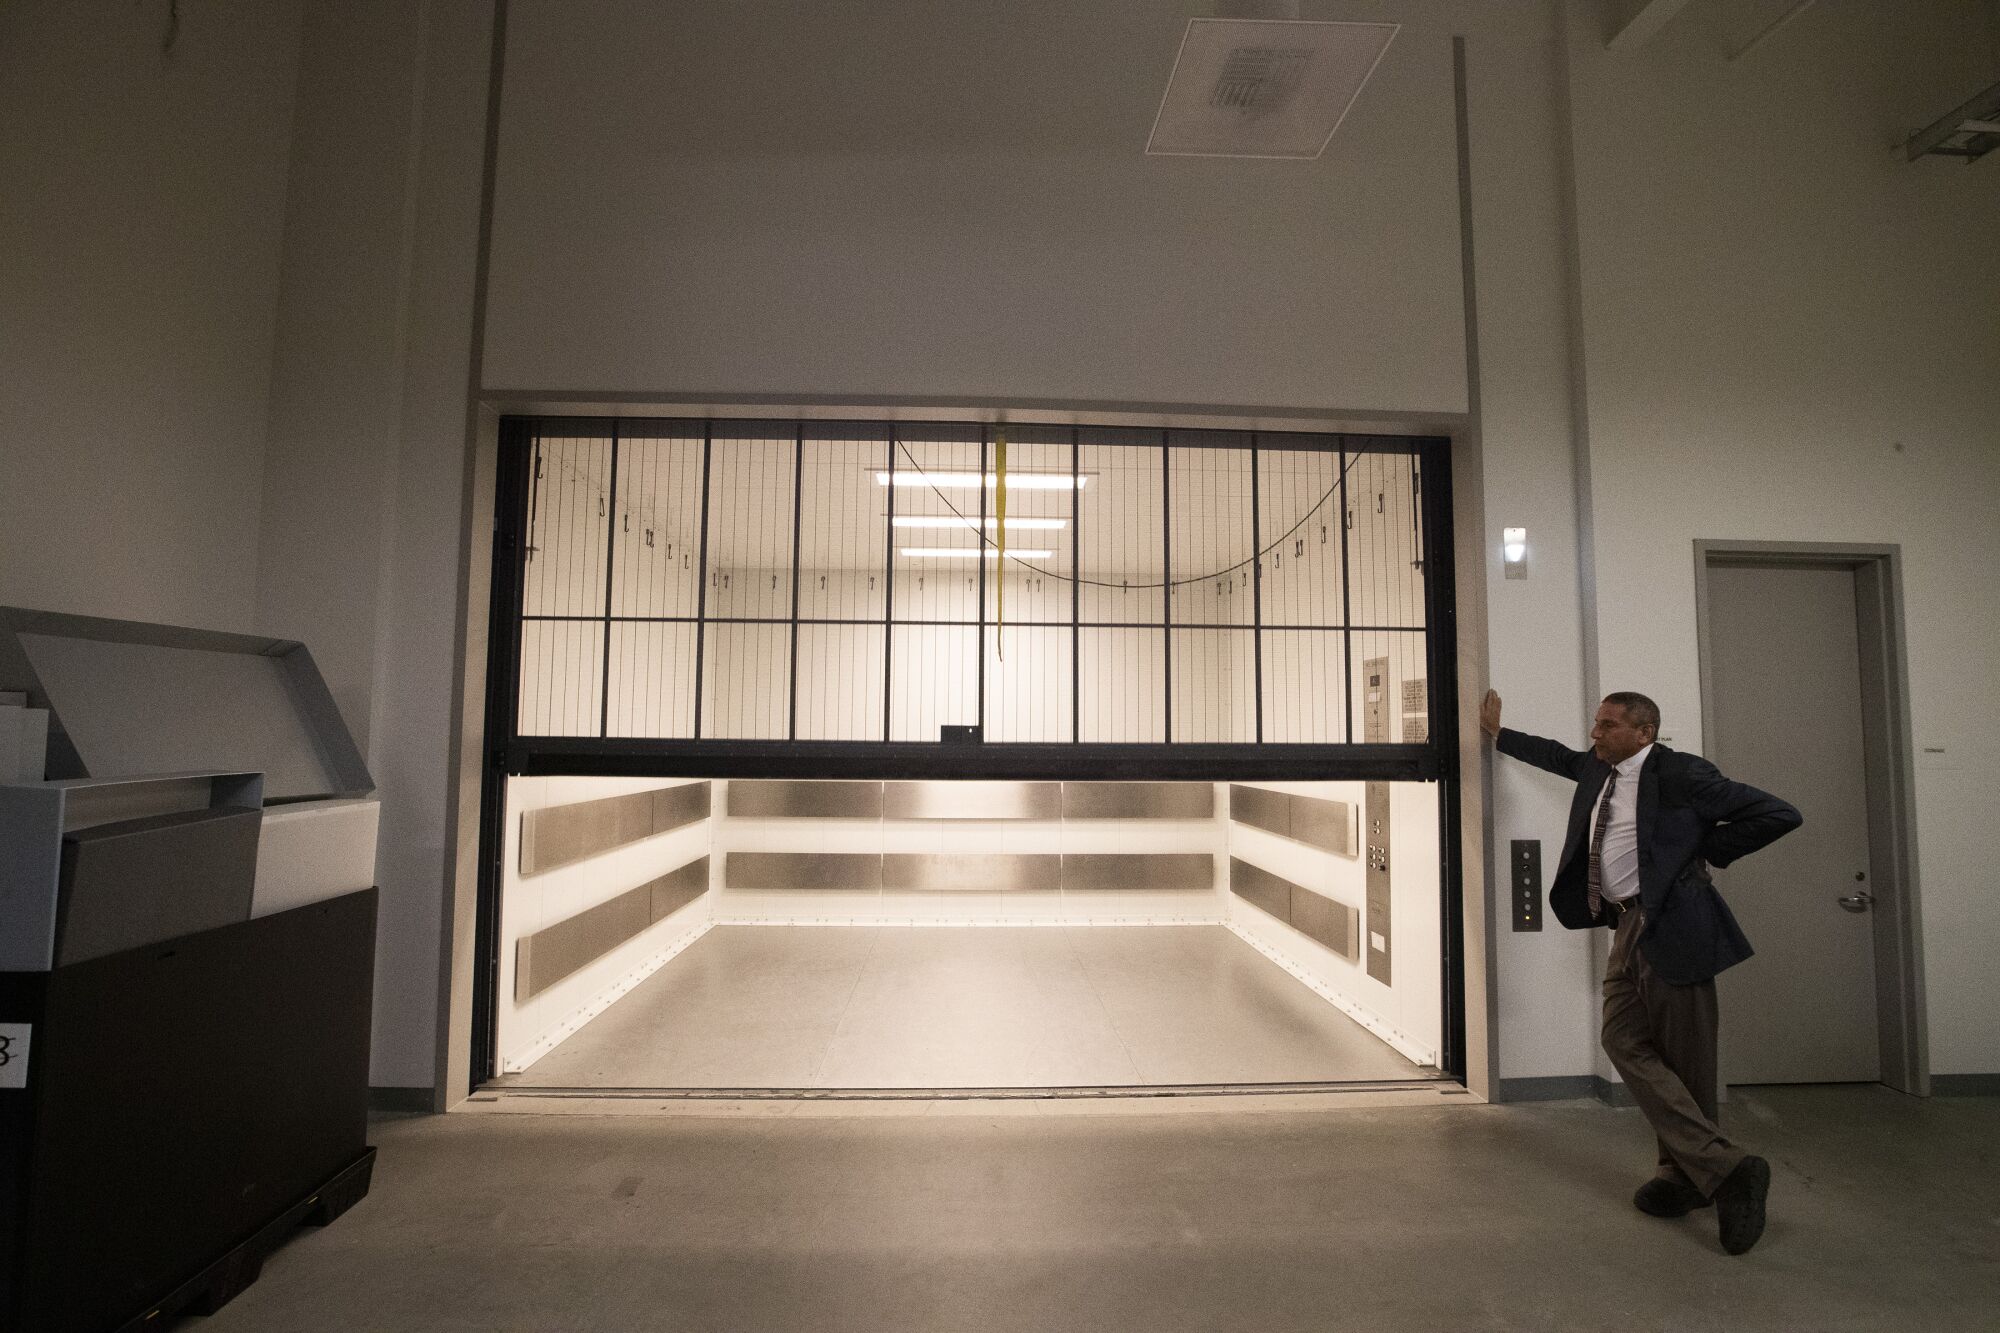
(1667, 1198)
(1739, 1204)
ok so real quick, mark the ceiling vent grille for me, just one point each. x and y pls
(1264, 87)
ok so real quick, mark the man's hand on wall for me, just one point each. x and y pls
(1489, 714)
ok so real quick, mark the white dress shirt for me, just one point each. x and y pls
(1620, 852)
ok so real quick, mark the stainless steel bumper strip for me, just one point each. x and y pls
(1327, 825)
(754, 799)
(1334, 924)
(1261, 889)
(803, 799)
(994, 873)
(1138, 800)
(554, 952)
(1315, 821)
(1138, 871)
(1267, 810)
(803, 870)
(560, 835)
(678, 888)
(972, 800)
(1314, 915)
(1029, 873)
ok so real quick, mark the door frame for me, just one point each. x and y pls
(1471, 1012)
(1901, 1021)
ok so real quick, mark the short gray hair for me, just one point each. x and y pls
(1641, 711)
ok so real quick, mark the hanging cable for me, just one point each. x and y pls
(1002, 557)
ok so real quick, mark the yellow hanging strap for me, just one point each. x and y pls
(1000, 560)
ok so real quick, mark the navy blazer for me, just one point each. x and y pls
(1689, 814)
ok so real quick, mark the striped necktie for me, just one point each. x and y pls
(1595, 883)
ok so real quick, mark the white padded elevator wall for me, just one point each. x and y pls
(529, 1028)
(918, 200)
(1408, 1012)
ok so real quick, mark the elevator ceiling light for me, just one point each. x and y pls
(972, 553)
(969, 481)
(953, 521)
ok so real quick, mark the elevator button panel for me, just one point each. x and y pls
(1524, 862)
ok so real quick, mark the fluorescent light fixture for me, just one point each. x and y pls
(1514, 552)
(953, 521)
(971, 553)
(970, 481)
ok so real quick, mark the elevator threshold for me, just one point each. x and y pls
(498, 1097)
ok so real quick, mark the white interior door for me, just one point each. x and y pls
(1785, 680)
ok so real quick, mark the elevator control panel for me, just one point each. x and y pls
(1524, 862)
(1375, 821)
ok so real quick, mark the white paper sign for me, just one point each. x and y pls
(14, 1054)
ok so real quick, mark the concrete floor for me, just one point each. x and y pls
(938, 1007)
(1884, 1215)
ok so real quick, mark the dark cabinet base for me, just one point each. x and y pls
(231, 1274)
(188, 1103)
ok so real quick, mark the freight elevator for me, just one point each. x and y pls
(967, 757)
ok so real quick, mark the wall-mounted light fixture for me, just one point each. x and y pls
(951, 521)
(969, 481)
(1514, 552)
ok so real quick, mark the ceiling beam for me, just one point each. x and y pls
(1630, 24)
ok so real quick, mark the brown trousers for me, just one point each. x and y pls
(1661, 1039)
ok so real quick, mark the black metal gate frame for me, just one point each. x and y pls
(509, 754)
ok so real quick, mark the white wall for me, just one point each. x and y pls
(140, 229)
(1793, 334)
(952, 200)
(364, 471)
(1546, 990)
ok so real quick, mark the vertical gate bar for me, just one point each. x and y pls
(1256, 596)
(514, 502)
(701, 571)
(1441, 666)
(889, 588)
(610, 566)
(1346, 606)
(979, 639)
(1166, 590)
(1075, 589)
(798, 511)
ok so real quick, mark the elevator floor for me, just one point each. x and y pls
(967, 1007)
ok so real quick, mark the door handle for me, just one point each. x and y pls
(1859, 902)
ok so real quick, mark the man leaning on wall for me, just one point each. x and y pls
(1645, 825)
